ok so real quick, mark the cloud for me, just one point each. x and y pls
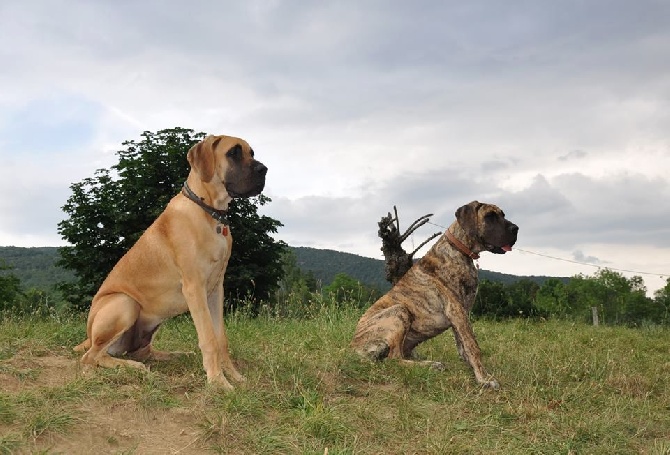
(32, 212)
(573, 155)
(579, 256)
(557, 113)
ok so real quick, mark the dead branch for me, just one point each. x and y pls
(398, 261)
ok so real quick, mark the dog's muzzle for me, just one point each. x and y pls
(512, 231)
(258, 172)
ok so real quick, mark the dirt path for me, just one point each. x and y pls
(54, 409)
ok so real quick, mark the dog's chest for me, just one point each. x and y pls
(216, 276)
(218, 261)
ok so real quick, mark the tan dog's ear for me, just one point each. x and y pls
(201, 157)
(467, 217)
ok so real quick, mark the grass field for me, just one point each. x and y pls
(565, 388)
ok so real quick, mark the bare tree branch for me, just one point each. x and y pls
(398, 262)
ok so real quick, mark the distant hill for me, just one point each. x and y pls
(36, 267)
(325, 264)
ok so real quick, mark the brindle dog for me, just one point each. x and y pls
(437, 293)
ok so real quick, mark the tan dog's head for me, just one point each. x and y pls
(228, 161)
(486, 225)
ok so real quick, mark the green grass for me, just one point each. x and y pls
(565, 388)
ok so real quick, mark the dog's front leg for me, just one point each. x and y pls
(467, 346)
(203, 319)
(215, 304)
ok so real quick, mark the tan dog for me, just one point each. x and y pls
(177, 265)
(437, 293)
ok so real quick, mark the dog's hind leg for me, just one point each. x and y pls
(83, 346)
(141, 348)
(383, 334)
(108, 331)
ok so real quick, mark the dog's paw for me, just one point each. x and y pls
(134, 364)
(492, 384)
(220, 382)
(237, 377)
(376, 351)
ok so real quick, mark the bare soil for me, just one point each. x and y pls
(100, 425)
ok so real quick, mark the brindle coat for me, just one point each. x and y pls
(437, 293)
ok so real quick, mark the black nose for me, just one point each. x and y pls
(261, 169)
(514, 228)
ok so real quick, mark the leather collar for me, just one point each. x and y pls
(460, 247)
(219, 215)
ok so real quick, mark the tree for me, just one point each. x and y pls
(343, 287)
(620, 300)
(491, 298)
(662, 299)
(552, 298)
(255, 266)
(499, 300)
(10, 289)
(521, 297)
(108, 212)
(294, 282)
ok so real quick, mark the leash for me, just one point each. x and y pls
(219, 215)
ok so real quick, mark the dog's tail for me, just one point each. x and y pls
(83, 346)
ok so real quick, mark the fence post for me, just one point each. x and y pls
(594, 313)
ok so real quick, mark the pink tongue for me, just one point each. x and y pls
(506, 248)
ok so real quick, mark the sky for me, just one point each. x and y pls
(557, 111)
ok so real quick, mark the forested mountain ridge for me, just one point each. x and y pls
(325, 264)
(36, 267)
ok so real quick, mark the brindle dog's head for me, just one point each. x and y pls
(486, 225)
(228, 162)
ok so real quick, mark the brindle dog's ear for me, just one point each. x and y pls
(201, 157)
(467, 217)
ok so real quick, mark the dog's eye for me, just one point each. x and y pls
(234, 152)
(251, 151)
(491, 215)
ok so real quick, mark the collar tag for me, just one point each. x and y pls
(222, 229)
